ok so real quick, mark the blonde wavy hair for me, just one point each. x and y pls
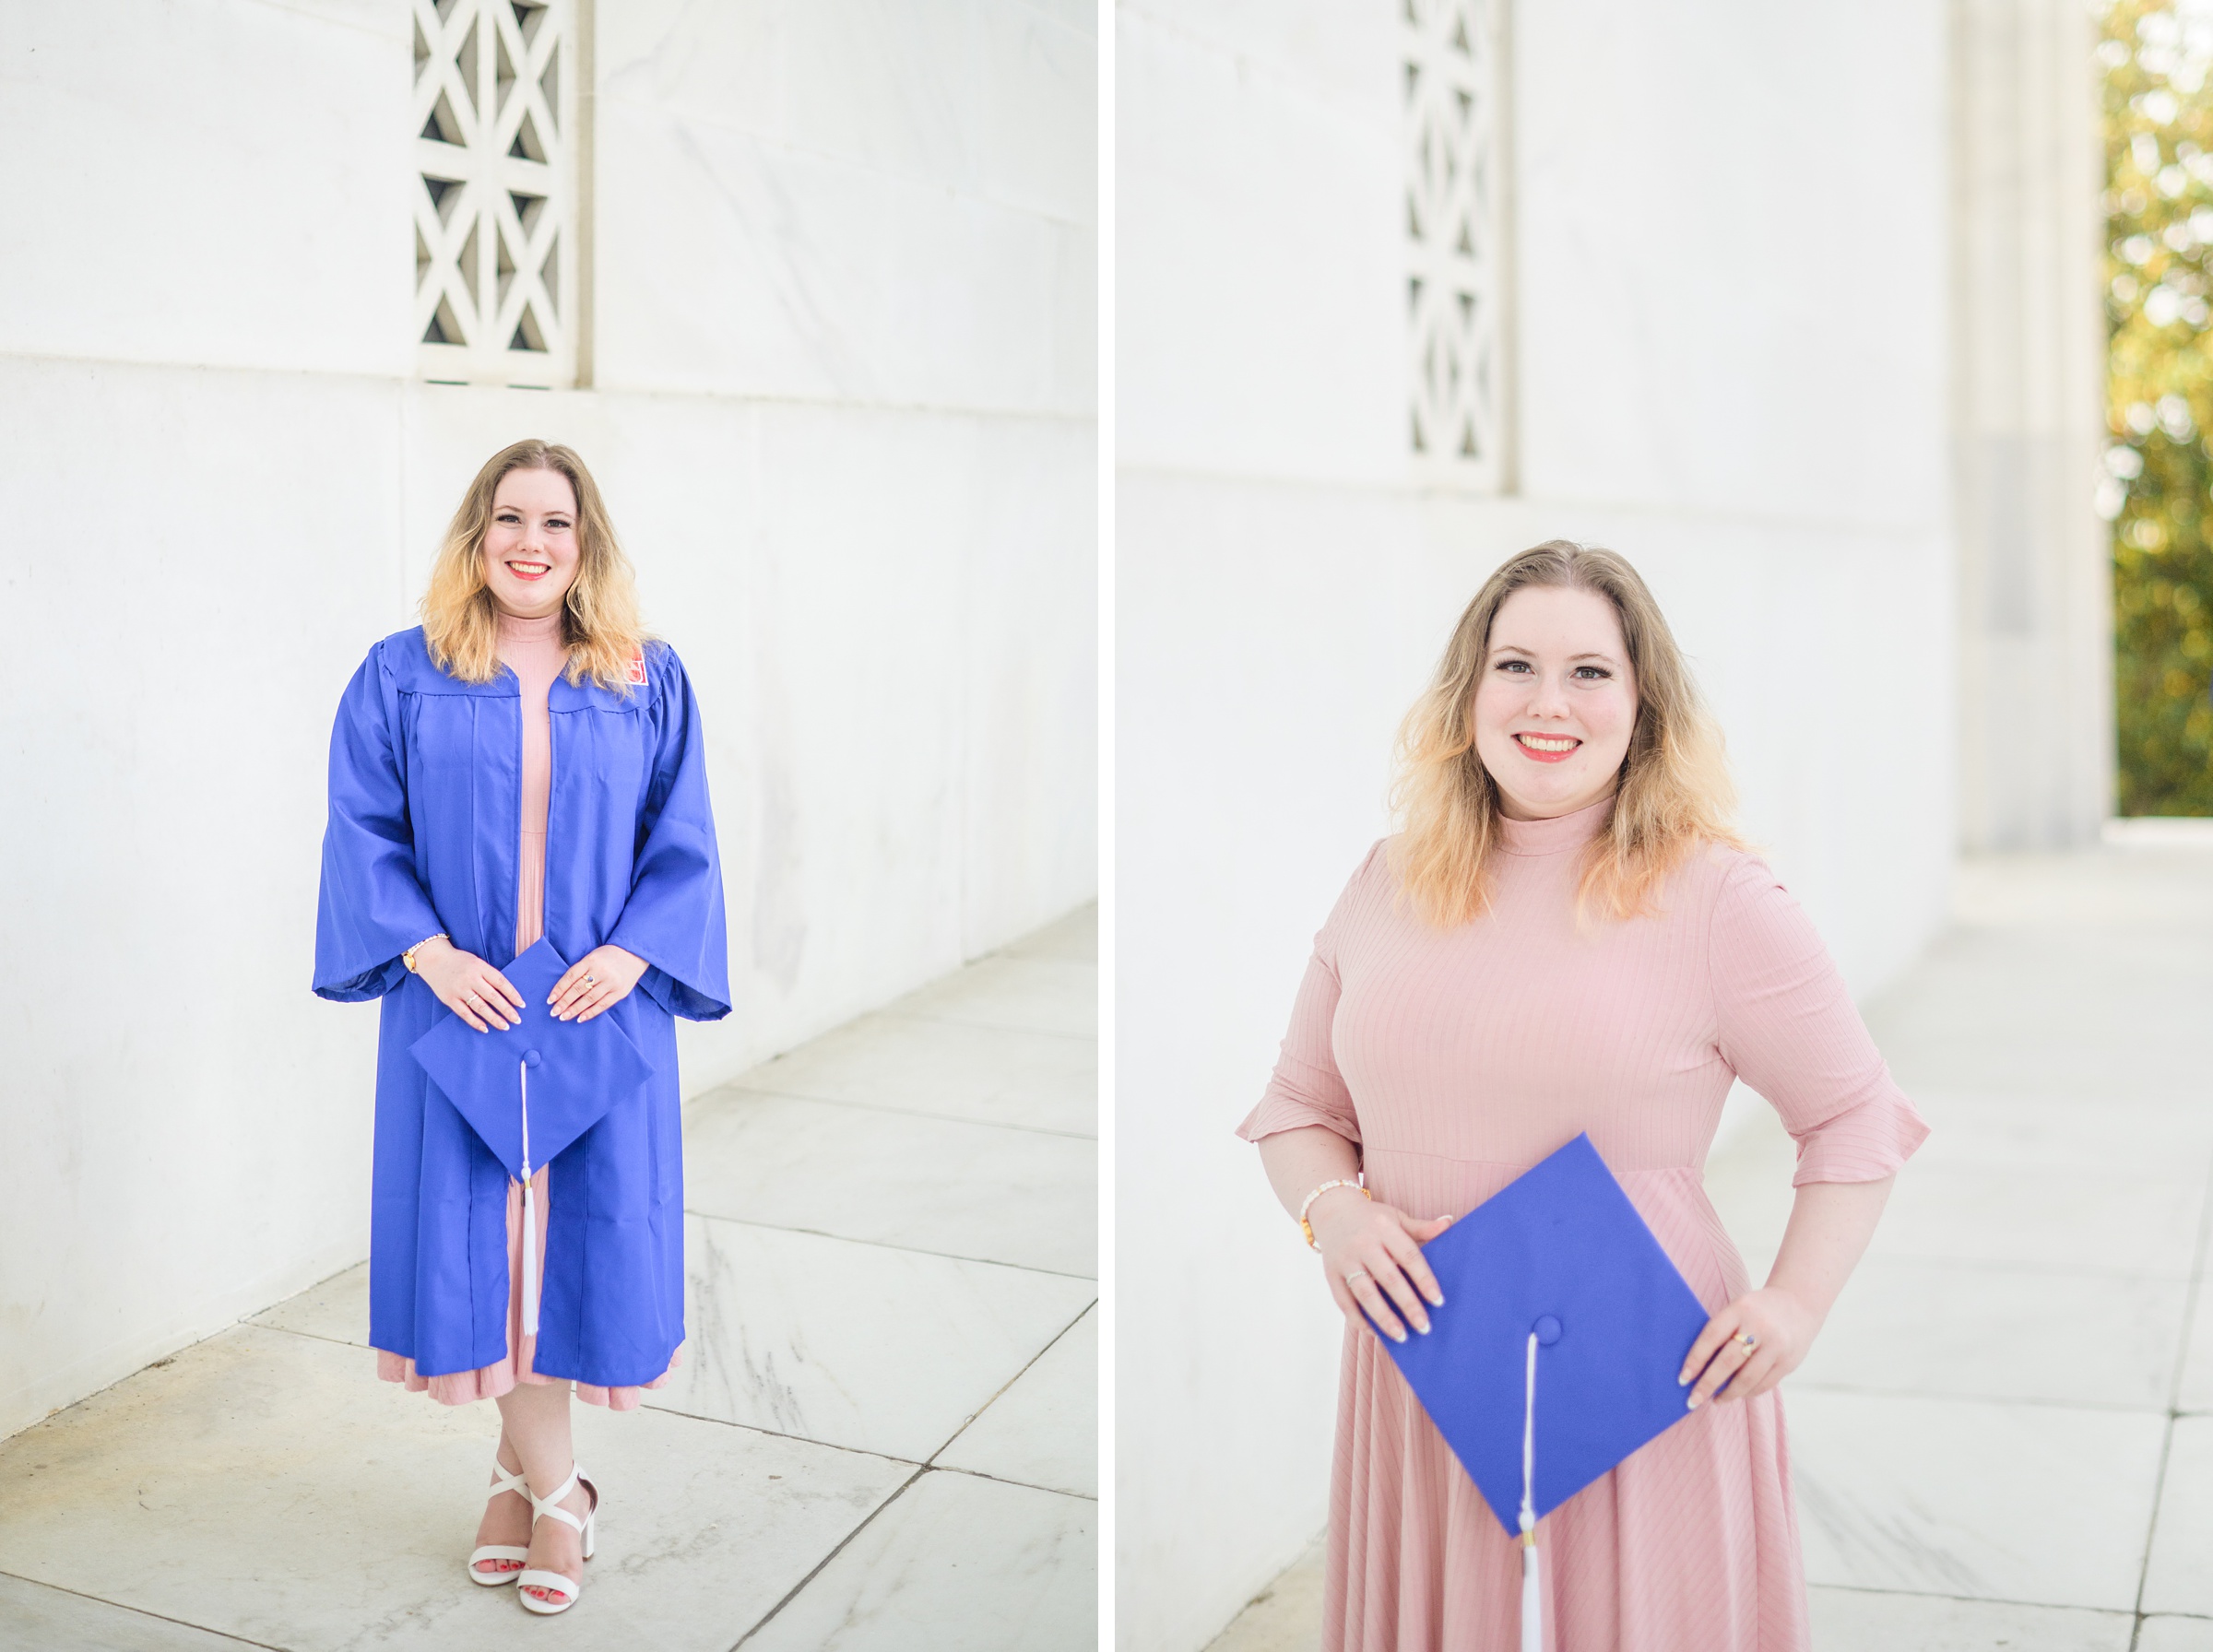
(1673, 792)
(600, 615)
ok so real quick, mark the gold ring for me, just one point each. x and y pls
(591, 980)
(1359, 1273)
(1747, 1339)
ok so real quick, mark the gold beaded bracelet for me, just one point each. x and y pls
(1307, 1227)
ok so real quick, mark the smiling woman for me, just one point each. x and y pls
(1568, 939)
(517, 787)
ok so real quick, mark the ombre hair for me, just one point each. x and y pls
(599, 613)
(1673, 792)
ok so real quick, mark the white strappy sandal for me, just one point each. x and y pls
(543, 1508)
(495, 1580)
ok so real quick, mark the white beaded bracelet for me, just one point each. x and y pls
(1306, 1204)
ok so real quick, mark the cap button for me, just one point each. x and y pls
(1547, 1329)
(530, 1059)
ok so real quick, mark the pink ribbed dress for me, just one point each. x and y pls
(534, 651)
(1458, 1058)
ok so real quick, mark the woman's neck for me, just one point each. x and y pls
(521, 627)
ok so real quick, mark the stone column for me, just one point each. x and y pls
(2036, 643)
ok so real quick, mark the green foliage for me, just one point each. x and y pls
(2159, 273)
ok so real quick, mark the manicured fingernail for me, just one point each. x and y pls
(1681, 1380)
(1693, 1405)
(1421, 1325)
(1398, 1336)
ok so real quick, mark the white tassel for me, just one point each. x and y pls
(1533, 1603)
(1532, 1592)
(530, 1221)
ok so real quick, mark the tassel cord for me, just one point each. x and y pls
(1532, 1590)
(530, 1220)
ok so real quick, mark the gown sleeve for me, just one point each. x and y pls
(372, 906)
(673, 918)
(1307, 1088)
(1789, 1030)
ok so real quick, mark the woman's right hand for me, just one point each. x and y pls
(468, 986)
(1371, 1256)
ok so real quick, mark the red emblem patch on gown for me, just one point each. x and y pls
(637, 667)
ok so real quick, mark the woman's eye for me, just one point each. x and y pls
(1594, 673)
(1513, 666)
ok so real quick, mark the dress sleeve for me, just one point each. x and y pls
(372, 907)
(673, 918)
(1789, 1030)
(1307, 1088)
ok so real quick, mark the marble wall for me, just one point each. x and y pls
(1731, 334)
(843, 413)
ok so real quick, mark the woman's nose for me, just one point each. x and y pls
(1550, 699)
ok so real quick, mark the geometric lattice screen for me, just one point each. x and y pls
(1454, 128)
(495, 231)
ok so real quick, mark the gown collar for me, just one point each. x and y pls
(1557, 835)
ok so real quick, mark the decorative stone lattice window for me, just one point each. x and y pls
(1455, 130)
(496, 290)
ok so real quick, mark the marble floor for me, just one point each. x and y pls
(2004, 1437)
(881, 1439)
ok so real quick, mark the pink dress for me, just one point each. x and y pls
(533, 650)
(1456, 1059)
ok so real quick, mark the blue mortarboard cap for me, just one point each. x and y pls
(577, 1070)
(1559, 1253)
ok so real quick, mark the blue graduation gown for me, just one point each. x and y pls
(424, 835)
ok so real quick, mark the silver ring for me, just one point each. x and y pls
(1359, 1273)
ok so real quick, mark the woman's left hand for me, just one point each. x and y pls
(599, 980)
(1781, 1328)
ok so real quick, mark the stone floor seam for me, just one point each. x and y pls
(799, 1588)
(947, 1444)
(141, 1611)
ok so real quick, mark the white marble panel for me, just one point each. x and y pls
(993, 97)
(1044, 1430)
(956, 1564)
(179, 1154)
(985, 1192)
(1871, 1620)
(2043, 1218)
(730, 265)
(265, 1485)
(2194, 1391)
(1042, 995)
(1031, 683)
(2020, 1012)
(2178, 1577)
(1979, 1330)
(2167, 1633)
(225, 185)
(34, 1618)
(858, 1345)
(2040, 1504)
(1259, 274)
(1660, 293)
(2100, 1135)
(1330, 52)
(951, 1069)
